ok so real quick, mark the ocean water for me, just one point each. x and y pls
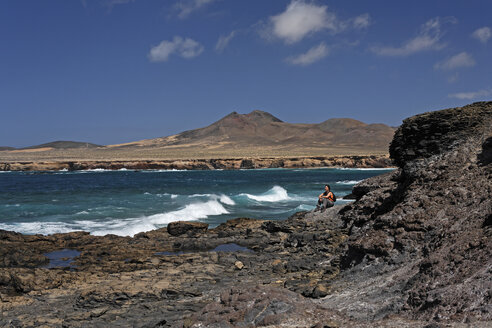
(129, 202)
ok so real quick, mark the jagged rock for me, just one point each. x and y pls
(423, 228)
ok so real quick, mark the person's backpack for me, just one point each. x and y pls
(334, 197)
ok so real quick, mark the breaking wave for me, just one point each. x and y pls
(276, 194)
(349, 182)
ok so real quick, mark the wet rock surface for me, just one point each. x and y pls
(413, 250)
(122, 281)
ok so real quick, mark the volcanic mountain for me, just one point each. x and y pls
(260, 128)
(257, 134)
(64, 145)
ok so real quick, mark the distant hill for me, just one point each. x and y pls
(6, 148)
(64, 145)
(260, 128)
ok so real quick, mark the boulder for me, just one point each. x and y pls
(181, 227)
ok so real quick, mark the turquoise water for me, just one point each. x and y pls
(128, 202)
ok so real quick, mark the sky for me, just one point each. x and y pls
(114, 71)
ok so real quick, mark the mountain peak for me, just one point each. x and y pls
(254, 117)
(265, 116)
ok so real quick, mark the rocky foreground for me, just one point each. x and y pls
(413, 250)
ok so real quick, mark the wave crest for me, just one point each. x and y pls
(349, 182)
(276, 194)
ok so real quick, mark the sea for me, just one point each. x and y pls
(127, 202)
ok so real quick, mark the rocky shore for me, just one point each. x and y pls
(372, 161)
(413, 250)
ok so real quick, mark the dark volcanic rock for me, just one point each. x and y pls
(261, 306)
(419, 238)
(181, 227)
(433, 133)
(157, 278)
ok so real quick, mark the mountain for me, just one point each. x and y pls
(64, 145)
(7, 148)
(260, 128)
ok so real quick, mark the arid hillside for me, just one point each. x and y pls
(257, 134)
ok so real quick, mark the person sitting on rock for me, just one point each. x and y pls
(325, 200)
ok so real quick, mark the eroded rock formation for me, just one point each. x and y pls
(371, 161)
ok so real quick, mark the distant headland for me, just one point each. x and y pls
(237, 141)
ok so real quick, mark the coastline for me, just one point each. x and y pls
(405, 253)
(352, 161)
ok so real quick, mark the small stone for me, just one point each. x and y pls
(239, 265)
(320, 291)
(276, 262)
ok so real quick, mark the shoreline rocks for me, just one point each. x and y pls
(371, 161)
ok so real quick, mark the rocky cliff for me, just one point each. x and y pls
(414, 250)
(370, 161)
(420, 237)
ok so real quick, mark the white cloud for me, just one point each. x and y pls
(471, 95)
(186, 7)
(224, 41)
(463, 59)
(428, 38)
(186, 48)
(482, 34)
(312, 55)
(301, 19)
(361, 22)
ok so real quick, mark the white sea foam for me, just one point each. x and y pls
(190, 212)
(170, 170)
(82, 213)
(276, 194)
(224, 199)
(365, 168)
(162, 195)
(304, 207)
(122, 227)
(349, 182)
(132, 226)
(202, 195)
(96, 170)
(45, 228)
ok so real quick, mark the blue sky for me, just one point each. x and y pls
(112, 71)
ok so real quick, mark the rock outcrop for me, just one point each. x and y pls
(420, 236)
